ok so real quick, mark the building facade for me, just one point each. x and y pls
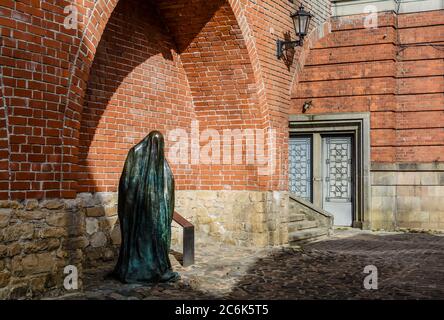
(347, 129)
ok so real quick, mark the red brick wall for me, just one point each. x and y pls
(221, 78)
(137, 84)
(420, 95)
(227, 51)
(368, 70)
(34, 59)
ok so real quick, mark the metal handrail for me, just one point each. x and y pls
(188, 239)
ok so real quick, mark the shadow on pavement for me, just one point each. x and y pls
(410, 266)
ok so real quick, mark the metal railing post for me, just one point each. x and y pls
(188, 239)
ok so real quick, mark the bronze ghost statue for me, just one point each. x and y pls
(145, 208)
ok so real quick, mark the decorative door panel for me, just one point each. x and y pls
(337, 178)
(300, 167)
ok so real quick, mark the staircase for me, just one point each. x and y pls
(307, 223)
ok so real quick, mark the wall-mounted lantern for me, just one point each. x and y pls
(301, 20)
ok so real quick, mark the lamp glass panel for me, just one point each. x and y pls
(297, 25)
(303, 24)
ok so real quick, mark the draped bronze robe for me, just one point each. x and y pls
(145, 208)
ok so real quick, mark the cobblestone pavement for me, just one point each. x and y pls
(410, 266)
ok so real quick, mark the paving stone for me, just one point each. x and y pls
(409, 267)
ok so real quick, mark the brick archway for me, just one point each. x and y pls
(91, 32)
(241, 100)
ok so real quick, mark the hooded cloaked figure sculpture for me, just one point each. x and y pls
(145, 208)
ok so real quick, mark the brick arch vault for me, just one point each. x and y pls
(159, 65)
(73, 101)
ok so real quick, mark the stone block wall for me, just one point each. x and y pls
(37, 241)
(235, 217)
(101, 230)
(409, 197)
(245, 218)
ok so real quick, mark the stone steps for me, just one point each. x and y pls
(297, 217)
(302, 225)
(312, 234)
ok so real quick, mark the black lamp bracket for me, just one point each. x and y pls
(285, 45)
